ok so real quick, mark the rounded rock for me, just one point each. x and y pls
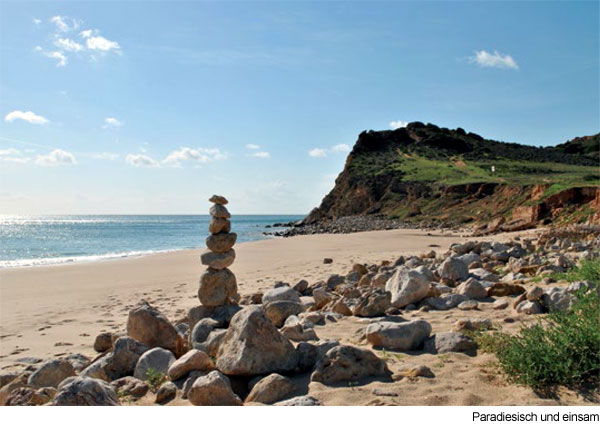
(219, 225)
(219, 200)
(219, 211)
(218, 261)
(216, 286)
(221, 242)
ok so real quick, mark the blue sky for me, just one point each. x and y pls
(151, 107)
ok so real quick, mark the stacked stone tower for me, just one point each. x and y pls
(218, 285)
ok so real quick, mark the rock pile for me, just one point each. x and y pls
(218, 285)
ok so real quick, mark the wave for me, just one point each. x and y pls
(45, 261)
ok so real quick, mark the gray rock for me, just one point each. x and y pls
(157, 359)
(450, 342)
(470, 258)
(130, 386)
(404, 336)
(373, 304)
(296, 331)
(468, 305)
(408, 286)
(219, 225)
(300, 401)
(472, 289)
(121, 362)
(253, 346)
(218, 261)
(529, 308)
(216, 287)
(147, 325)
(279, 311)
(454, 269)
(166, 393)
(190, 361)
(51, 373)
(445, 301)
(284, 293)
(271, 389)
(310, 353)
(81, 391)
(201, 331)
(347, 363)
(221, 242)
(213, 389)
(219, 211)
(558, 299)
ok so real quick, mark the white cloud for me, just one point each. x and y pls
(398, 124)
(86, 33)
(341, 147)
(28, 116)
(64, 23)
(485, 59)
(111, 122)
(252, 146)
(141, 160)
(317, 152)
(199, 155)
(68, 44)
(56, 157)
(104, 156)
(99, 43)
(9, 151)
(57, 55)
(261, 154)
(37, 21)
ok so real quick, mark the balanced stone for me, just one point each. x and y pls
(219, 225)
(216, 260)
(220, 200)
(221, 242)
(216, 286)
(219, 211)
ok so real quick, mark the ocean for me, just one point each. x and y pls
(59, 239)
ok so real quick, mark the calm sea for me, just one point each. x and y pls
(58, 239)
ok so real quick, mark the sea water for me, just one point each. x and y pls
(59, 239)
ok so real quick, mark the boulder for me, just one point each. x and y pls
(468, 305)
(472, 289)
(213, 389)
(191, 360)
(454, 269)
(103, 342)
(219, 225)
(253, 346)
(271, 389)
(279, 311)
(156, 359)
(450, 342)
(528, 307)
(347, 363)
(301, 286)
(221, 242)
(201, 331)
(147, 325)
(300, 401)
(558, 299)
(373, 304)
(51, 373)
(121, 362)
(310, 353)
(81, 391)
(408, 286)
(219, 211)
(445, 301)
(216, 260)
(166, 393)
(130, 386)
(295, 330)
(404, 336)
(502, 289)
(212, 344)
(279, 294)
(322, 297)
(216, 286)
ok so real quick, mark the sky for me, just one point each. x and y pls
(151, 107)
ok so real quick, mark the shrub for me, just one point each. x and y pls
(154, 378)
(562, 349)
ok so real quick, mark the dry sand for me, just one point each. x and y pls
(51, 311)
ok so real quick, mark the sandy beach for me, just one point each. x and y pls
(51, 311)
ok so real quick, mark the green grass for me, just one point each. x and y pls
(154, 378)
(562, 349)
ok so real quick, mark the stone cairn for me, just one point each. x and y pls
(218, 285)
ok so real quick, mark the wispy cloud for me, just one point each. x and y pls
(99, 43)
(141, 160)
(28, 116)
(68, 44)
(261, 154)
(12, 155)
(323, 152)
(317, 152)
(104, 156)
(56, 157)
(64, 23)
(501, 61)
(56, 55)
(112, 122)
(198, 155)
(252, 146)
(37, 21)
(398, 124)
